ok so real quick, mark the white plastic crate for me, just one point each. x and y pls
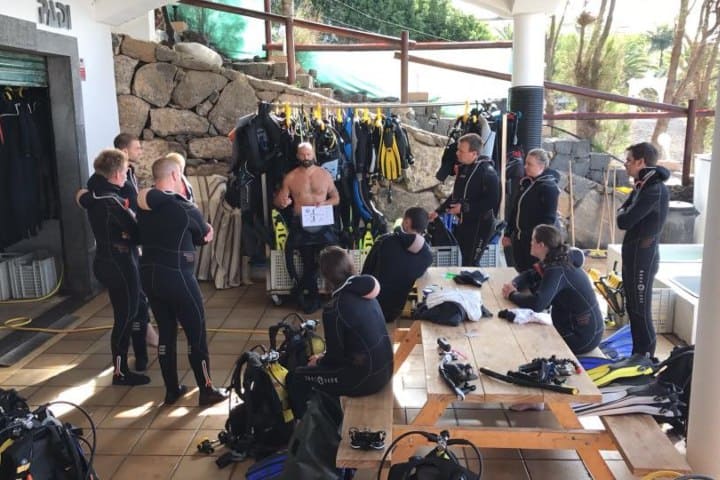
(493, 257)
(32, 275)
(280, 281)
(5, 285)
(663, 309)
(446, 256)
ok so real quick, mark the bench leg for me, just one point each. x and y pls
(592, 459)
(407, 343)
(428, 415)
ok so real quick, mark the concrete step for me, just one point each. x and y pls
(324, 91)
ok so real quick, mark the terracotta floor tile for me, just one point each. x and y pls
(198, 467)
(78, 376)
(106, 465)
(549, 454)
(116, 441)
(163, 442)
(178, 418)
(78, 419)
(499, 469)
(137, 417)
(142, 395)
(107, 396)
(30, 377)
(481, 418)
(147, 468)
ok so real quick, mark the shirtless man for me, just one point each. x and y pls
(307, 185)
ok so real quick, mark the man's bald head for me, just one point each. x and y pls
(163, 168)
(306, 154)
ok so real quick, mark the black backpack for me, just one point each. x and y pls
(37, 444)
(300, 341)
(676, 370)
(259, 142)
(440, 464)
(263, 423)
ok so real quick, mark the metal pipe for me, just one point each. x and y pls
(689, 134)
(320, 27)
(587, 92)
(368, 47)
(621, 115)
(290, 42)
(268, 29)
(404, 67)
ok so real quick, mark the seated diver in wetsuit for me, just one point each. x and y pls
(558, 280)
(116, 261)
(307, 185)
(359, 358)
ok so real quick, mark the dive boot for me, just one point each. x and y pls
(211, 396)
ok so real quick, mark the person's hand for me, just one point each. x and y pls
(285, 202)
(454, 208)
(507, 289)
(432, 215)
(312, 361)
(209, 236)
(506, 242)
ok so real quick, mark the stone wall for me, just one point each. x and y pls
(184, 100)
(594, 204)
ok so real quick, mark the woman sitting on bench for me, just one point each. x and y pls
(558, 281)
(358, 359)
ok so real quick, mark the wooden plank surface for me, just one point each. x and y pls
(498, 344)
(372, 412)
(643, 445)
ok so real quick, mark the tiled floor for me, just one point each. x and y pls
(138, 437)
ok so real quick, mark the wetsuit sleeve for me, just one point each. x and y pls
(552, 282)
(642, 204)
(370, 267)
(527, 279)
(334, 339)
(86, 200)
(125, 221)
(197, 226)
(510, 228)
(550, 203)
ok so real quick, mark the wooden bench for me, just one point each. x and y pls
(643, 445)
(373, 412)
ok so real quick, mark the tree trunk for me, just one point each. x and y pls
(703, 96)
(662, 123)
(550, 48)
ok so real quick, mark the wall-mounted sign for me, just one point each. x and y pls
(54, 14)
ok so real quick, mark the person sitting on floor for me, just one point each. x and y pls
(558, 281)
(397, 259)
(359, 357)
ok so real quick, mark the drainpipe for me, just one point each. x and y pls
(526, 94)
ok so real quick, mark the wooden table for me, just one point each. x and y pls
(500, 345)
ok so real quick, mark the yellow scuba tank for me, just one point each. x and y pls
(280, 229)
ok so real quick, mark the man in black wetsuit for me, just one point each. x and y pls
(171, 227)
(132, 147)
(642, 216)
(397, 259)
(116, 260)
(359, 358)
(475, 199)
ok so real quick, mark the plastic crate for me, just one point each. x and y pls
(663, 309)
(446, 256)
(280, 281)
(32, 275)
(5, 285)
(493, 257)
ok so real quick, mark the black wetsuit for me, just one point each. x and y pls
(396, 260)
(477, 189)
(116, 266)
(643, 216)
(170, 231)
(308, 242)
(536, 204)
(359, 357)
(566, 287)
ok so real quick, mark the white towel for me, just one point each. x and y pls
(469, 300)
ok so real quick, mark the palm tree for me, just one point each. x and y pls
(661, 39)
